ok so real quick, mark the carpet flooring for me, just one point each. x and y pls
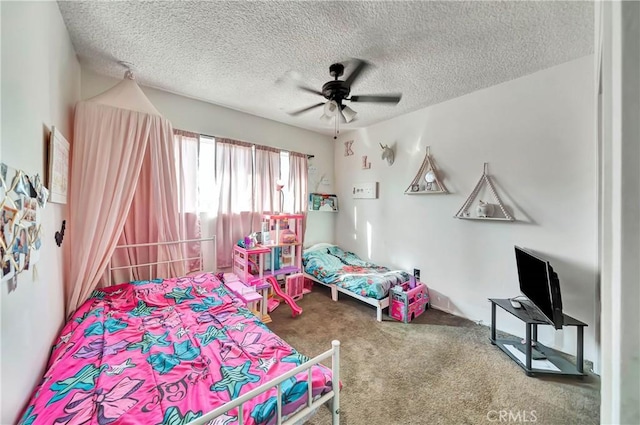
(438, 369)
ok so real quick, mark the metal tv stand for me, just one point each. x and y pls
(555, 357)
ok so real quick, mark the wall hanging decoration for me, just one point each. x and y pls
(59, 236)
(388, 154)
(347, 148)
(365, 164)
(58, 166)
(323, 202)
(426, 180)
(21, 201)
(484, 210)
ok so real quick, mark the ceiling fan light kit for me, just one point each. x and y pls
(348, 113)
(337, 91)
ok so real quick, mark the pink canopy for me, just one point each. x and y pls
(122, 150)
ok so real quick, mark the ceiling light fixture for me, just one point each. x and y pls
(348, 113)
(330, 110)
(334, 110)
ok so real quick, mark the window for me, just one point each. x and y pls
(284, 169)
(207, 175)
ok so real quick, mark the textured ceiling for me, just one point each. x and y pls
(232, 53)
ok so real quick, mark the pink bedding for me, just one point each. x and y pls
(166, 352)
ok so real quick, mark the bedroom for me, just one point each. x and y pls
(554, 190)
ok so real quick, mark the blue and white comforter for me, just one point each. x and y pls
(332, 265)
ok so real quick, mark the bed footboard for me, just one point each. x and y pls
(333, 395)
(378, 304)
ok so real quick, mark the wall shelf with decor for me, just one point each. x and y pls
(484, 210)
(324, 202)
(426, 181)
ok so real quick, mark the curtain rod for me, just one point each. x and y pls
(309, 156)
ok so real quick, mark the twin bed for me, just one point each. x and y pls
(177, 351)
(345, 272)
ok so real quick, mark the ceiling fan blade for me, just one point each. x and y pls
(308, 108)
(309, 89)
(360, 66)
(389, 98)
(292, 78)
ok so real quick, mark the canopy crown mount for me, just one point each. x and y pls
(129, 68)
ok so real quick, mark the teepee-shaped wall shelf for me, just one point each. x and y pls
(486, 211)
(426, 182)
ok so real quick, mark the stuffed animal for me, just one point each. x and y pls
(484, 209)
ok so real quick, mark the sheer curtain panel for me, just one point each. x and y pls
(109, 147)
(297, 194)
(267, 173)
(234, 194)
(187, 147)
(122, 149)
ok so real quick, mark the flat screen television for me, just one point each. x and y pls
(540, 284)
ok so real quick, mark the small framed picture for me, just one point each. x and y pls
(58, 166)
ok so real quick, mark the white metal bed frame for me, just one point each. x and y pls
(311, 405)
(378, 304)
(212, 239)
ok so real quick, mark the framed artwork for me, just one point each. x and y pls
(58, 167)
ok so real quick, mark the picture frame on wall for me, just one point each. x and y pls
(58, 167)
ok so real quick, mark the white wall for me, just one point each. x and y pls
(206, 118)
(536, 133)
(617, 33)
(40, 85)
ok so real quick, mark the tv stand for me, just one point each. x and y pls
(555, 363)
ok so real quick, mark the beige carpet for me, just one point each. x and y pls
(439, 369)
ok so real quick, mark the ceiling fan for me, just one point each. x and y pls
(337, 91)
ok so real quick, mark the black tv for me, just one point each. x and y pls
(540, 284)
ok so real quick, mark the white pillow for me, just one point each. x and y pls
(319, 246)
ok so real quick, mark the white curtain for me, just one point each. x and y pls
(234, 194)
(187, 148)
(267, 173)
(297, 192)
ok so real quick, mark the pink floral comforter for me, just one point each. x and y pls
(166, 352)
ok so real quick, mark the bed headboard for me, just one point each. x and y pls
(142, 262)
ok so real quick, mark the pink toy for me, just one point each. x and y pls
(272, 304)
(295, 308)
(406, 303)
(294, 286)
(247, 264)
(307, 286)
